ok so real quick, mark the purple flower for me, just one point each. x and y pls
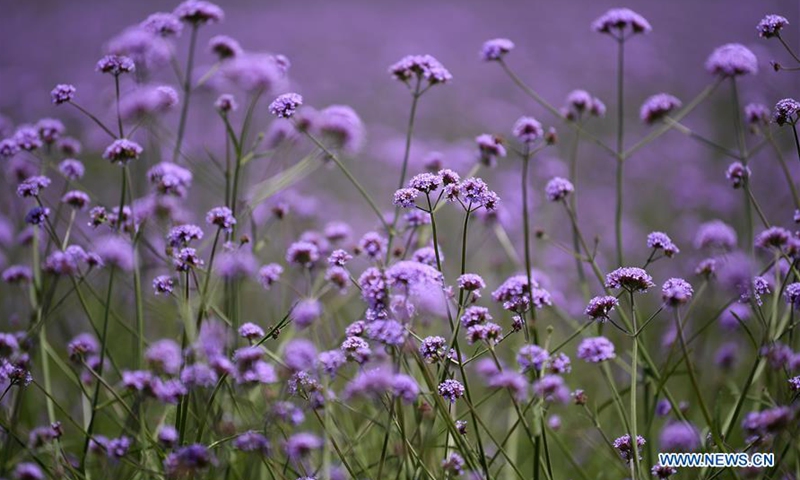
(496, 49)
(475, 315)
(731, 60)
(115, 65)
(794, 383)
(165, 356)
(76, 199)
(516, 295)
(162, 24)
(471, 282)
(28, 471)
(425, 182)
(251, 368)
(224, 47)
(792, 295)
(600, 307)
(339, 258)
(222, 217)
(199, 375)
(305, 312)
(420, 67)
(771, 25)
(490, 148)
(251, 331)
(302, 253)
(527, 130)
(286, 105)
(558, 189)
(580, 102)
(657, 107)
(356, 349)
(186, 259)
(32, 186)
(373, 244)
(786, 111)
(62, 93)
(72, 169)
(596, 349)
(773, 237)
(226, 103)
(331, 361)
(716, 234)
(118, 447)
(757, 114)
(434, 349)
(621, 23)
(300, 354)
(551, 388)
(726, 355)
(679, 437)
(269, 274)
(737, 173)
(453, 465)
(342, 127)
(532, 358)
(199, 12)
(27, 138)
(676, 291)
(251, 442)
(770, 421)
(633, 279)
(559, 363)
(300, 445)
(661, 241)
(116, 251)
(182, 235)
(373, 287)
(662, 472)
(487, 332)
(626, 449)
(236, 265)
(122, 151)
(17, 274)
(405, 198)
(188, 461)
(451, 390)
(388, 332)
(170, 179)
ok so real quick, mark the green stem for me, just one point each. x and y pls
(620, 147)
(187, 92)
(635, 467)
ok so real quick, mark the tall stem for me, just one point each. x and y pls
(633, 393)
(620, 143)
(526, 234)
(573, 177)
(740, 140)
(187, 92)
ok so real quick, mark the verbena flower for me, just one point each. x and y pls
(32, 186)
(490, 148)
(661, 241)
(341, 127)
(532, 358)
(679, 437)
(162, 24)
(527, 130)
(453, 465)
(676, 291)
(434, 349)
(405, 197)
(716, 234)
(451, 390)
(737, 173)
(421, 67)
(251, 441)
(122, 151)
(792, 295)
(496, 49)
(558, 189)
(62, 93)
(662, 472)
(732, 60)
(625, 447)
(516, 295)
(226, 103)
(285, 106)
(786, 111)
(551, 388)
(581, 103)
(771, 25)
(189, 461)
(221, 217)
(115, 65)
(633, 279)
(773, 237)
(71, 169)
(657, 107)
(269, 274)
(596, 349)
(373, 245)
(757, 114)
(600, 307)
(621, 23)
(300, 445)
(199, 12)
(224, 47)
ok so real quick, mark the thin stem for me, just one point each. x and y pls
(620, 140)
(526, 234)
(796, 139)
(784, 167)
(786, 46)
(633, 393)
(187, 92)
(119, 116)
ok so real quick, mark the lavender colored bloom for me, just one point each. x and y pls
(766, 422)
(662, 472)
(471, 282)
(373, 244)
(255, 73)
(558, 189)
(475, 315)
(8, 148)
(37, 215)
(118, 447)
(167, 436)
(236, 265)
(199, 375)
(356, 349)
(162, 24)
(27, 138)
(226, 103)
(251, 331)
(339, 258)
(496, 49)
(716, 234)
(676, 291)
(737, 173)
(50, 130)
(251, 442)
(405, 198)
(331, 361)
(661, 241)
(62, 93)
(532, 358)
(72, 169)
(302, 253)
(657, 107)
(621, 23)
(633, 279)
(251, 368)
(490, 148)
(451, 390)
(488, 332)
(786, 111)
(28, 471)
(453, 465)
(286, 105)
(516, 295)
(388, 332)
(182, 235)
(625, 448)
(165, 356)
(726, 355)
(189, 461)
(679, 437)
(199, 12)
(305, 312)
(771, 25)
(527, 130)
(600, 307)
(425, 182)
(337, 232)
(580, 102)
(757, 114)
(300, 354)
(551, 388)
(17, 274)
(342, 127)
(170, 179)
(76, 199)
(269, 274)
(405, 387)
(186, 259)
(794, 384)
(731, 60)
(559, 363)
(224, 47)
(773, 237)
(300, 445)
(434, 349)
(420, 67)
(373, 287)
(596, 349)
(115, 65)
(116, 251)
(32, 186)
(82, 346)
(792, 295)
(122, 151)
(221, 217)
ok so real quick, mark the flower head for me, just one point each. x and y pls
(62, 93)
(621, 23)
(496, 49)
(115, 65)
(737, 173)
(222, 217)
(285, 105)
(633, 279)
(731, 60)
(199, 12)
(528, 130)
(657, 107)
(600, 307)
(625, 448)
(676, 291)
(557, 189)
(596, 349)
(224, 47)
(771, 25)
(787, 111)
(420, 67)
(122, 151)
(451, 390)
(661, 241)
